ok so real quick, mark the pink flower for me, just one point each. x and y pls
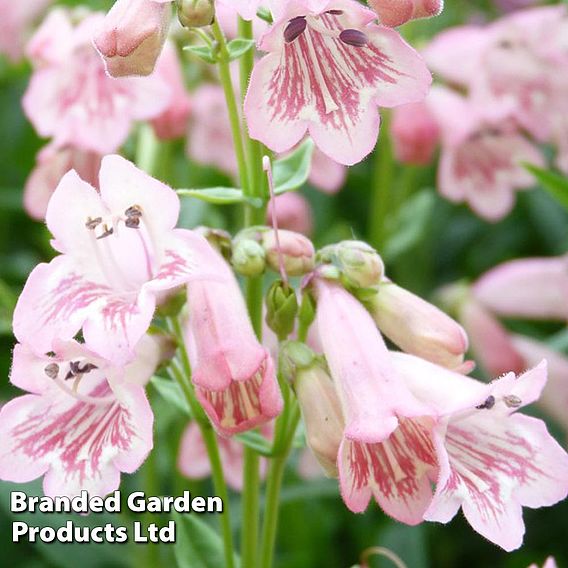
(71, 99)
(172, 123)
(326, 174)
(84, 421)
(415, 134)
(119, 250)
(328, 69)
(193, 461)
(292, 213)
(52, 164)
(550, 563)
(131, 37)
(246, 9)
(481, 159)
(397, 12)
(16, 22)
(232, 372)
(535, 288)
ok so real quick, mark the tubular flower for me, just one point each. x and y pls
(131, 37)
(70, 97)
(119, 249)
(328, 69)
(492, 461)
(481, 158)
(397, 12)
(233, 374)
(84, 421)
(535, 288)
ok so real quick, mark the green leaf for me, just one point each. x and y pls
(238, 47)
(255, 441)
(204, 52)
(216, 195)
(555, 184)
(409, 224)
(171, 392)
(293, 171)
(197, 544)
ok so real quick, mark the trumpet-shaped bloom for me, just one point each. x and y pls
(84, 421)
(398, 12)
(328, 69)
(119, 249)
(535, 288)
(482, 156)
(232, 372)
(70, 97)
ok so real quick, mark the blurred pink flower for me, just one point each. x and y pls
(173, 122)
(292, 213)
(534, 288)
(482, 156)
(246, 9)
(15, 24)
(119, 250)
(550, 563)
(397, 12)
(193, 460)
(342, 66)
(70, 97)
(233, 373)
(326, 174)
(84, 422)
(415, 134)
(52, 164)
(131, 36)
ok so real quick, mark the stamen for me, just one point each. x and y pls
(106, 233)
(52, 370)
(488, 404)
(132, 222)
(92, 224)
(512, 401)
(335, 12)
(133, 211)
(355, 38)
(295, 28)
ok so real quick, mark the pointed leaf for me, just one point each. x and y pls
(555, 184)
(292, 171)
(216, 195)
(204, 52)
(238, 47)
(255, 441)
(171, 392)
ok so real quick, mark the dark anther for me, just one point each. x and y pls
(295, 28)
(107, 232)
(76, 369)
(354, 38)
(132, 222)
(512, 401)
(52, 370)
(488, 404)
(335, 12)
(92, 224)
(133, 211)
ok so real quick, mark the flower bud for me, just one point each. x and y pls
(281, 309)
(319, 403)
(132, 36)
(297, 252)
(418, 327)
(218, 239)
(195, 13)
(248, 257)
(360, 265)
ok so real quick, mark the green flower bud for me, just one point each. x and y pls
(195, 13)
(249, 258)
(218, 239)
(281, 309)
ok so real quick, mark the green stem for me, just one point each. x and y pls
(182, 374)
(251, 498)
(147, 149)
(382, 186)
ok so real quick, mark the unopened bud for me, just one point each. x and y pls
(218, 239)
(360, 264)
(248, 257)
(281, 309)
(319, 403)
(195, 13)
(296, 251)
(418, 327)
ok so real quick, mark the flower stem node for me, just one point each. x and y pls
(281, 309)
(360, 265)
(195, 13)
(249, 258)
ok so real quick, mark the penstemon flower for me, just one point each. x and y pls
(233, 373)
(119, 250)
(84, 421)
(328, 69)
(397, 12)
